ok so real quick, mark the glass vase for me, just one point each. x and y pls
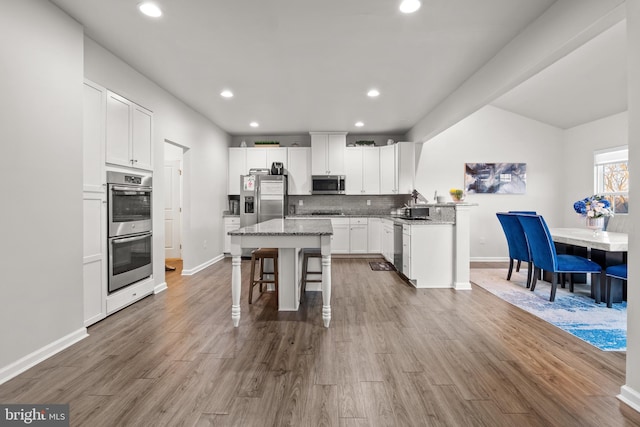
(595, 224)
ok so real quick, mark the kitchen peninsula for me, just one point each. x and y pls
(288, 235)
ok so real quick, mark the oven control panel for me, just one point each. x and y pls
(132, 179)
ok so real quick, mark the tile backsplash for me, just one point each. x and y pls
(350, 205)
(357, 205)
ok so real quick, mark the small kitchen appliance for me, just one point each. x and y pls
(416, 212)
(277, 168)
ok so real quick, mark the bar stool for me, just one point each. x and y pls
(262, 254)
(309, 253)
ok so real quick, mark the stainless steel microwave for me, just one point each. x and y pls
(327, 184)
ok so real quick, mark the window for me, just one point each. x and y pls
(611, 173)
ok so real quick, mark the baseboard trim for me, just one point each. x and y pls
(462, 286)
(630, 396)
(32, 359)
(489, 259)
(192, 271)
(160, 288)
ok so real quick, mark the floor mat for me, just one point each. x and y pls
(382, 266)
(576, 313)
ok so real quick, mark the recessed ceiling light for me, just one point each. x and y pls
(359, 124)
(254, 124)
(373, 93)
(409, 6)
(150, 9)
(226, 94)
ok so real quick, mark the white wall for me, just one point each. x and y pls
(41, 131)
(205, 161)
(631, 390)
(580, 142)
(492, 135)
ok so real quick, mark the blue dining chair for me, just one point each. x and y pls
(614, 272)
(517, 243)
(524, 212)
(544, 256)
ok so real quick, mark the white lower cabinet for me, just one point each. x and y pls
(230, 223)
(406, 250)
(427, 255)
(374, 236)
(340, 240)
(358, 235)
(94, 270)
(387, 239)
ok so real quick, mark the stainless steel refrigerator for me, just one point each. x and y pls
(262, 197)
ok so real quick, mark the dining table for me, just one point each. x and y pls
(607, 241)
(603, 247)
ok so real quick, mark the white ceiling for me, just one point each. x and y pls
(303, 65)
(588, 84)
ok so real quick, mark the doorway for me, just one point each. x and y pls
(173, 164)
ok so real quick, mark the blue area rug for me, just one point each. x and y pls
(576, 313)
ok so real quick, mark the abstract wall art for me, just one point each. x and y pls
(495, 178)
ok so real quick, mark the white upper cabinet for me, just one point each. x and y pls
(327, 153)
(142, 145)
(242, 159)
(119, 112)
(397, 168)
(299, 168)
(353, 169)
(370, 170)
(94, 102)
(362, 165)
(129, 133)
(388, 178)
(261, 158)
(256, 158)
(405, 166)
(237, 167)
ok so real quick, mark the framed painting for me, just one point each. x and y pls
(495, 178)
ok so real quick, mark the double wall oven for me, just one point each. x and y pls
(129, 225)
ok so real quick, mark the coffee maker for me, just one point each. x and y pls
(277, 168)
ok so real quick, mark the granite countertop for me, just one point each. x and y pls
(394, 218)
(287, 227)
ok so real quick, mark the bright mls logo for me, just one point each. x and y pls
(34, 415)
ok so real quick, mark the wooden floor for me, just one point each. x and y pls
(393, 356)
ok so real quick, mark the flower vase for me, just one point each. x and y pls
(595, 224)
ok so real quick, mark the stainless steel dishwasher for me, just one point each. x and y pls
(397, 246)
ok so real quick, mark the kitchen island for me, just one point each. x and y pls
(288, 235)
